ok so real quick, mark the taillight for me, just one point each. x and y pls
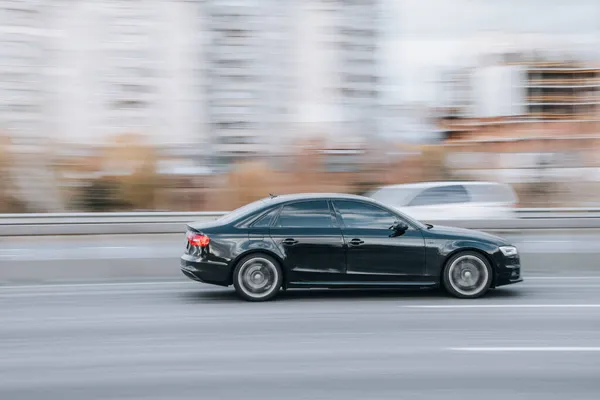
(196, 239)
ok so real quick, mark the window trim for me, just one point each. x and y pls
(334, 221)
(398, 215)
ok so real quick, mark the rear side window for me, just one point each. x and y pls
(441, 195)
(265, 220)
(306, 214)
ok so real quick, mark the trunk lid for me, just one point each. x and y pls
(202, 226)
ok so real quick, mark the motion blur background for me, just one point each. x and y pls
(208, 104)
(204, 105)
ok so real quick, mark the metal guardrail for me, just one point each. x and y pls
(99, 223)
(174, 222)
(558, 212)
(103, 218)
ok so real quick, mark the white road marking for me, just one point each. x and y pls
(526, 349)
(43, 249)
(548, 241)
(457, 306)
(562, 278)
(98, 284)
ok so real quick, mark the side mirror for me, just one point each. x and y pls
(399, 227)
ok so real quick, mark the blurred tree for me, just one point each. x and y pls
(133, 164)
(250, 181)
(9, 202)
(122, 176)
(308, 170)
(433, 163)
(364, 187)
(543, 191)
(5, 164)
(99, 196)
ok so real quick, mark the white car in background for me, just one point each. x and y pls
(450, 200)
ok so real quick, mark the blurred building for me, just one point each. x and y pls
(277, 69)
(498, 91)
(239, 75)
(124, 67)
(23, 50)
(24, 98)
(517, 88)
(246, 91)
(530, 121)
(79, 72)
(562, 91)
(457, 92)
(357, 44)
(409, 124)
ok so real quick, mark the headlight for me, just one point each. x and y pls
(509, 251)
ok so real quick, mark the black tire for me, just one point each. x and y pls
(467, 275)
(257, 277)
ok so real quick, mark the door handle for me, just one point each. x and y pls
(289, 242)
(356, 242)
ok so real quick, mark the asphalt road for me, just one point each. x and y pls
(182, 340)
(134, 257)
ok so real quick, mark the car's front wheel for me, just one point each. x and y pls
(257, 277)
(467, 275)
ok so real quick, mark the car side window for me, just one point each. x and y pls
(441, 195)
(306, 214)
(356, 214)
(265, 220)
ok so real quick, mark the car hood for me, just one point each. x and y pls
(462, 233)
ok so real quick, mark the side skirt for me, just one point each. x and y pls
(364, 285)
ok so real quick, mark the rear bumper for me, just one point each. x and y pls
(205, 271)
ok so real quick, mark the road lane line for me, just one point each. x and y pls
(99, 284)
(526, 349)
(562, 278)
(457, 306)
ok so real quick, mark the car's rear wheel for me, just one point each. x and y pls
(257, 277)
(467, 275)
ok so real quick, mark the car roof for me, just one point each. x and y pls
(307, 196)
(425, 185)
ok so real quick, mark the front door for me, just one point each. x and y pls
(374, 253)
(310, 240)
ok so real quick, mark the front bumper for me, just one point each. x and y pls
(202, 270)
(509, 271)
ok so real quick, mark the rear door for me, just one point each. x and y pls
(307, 234)
(375, 254)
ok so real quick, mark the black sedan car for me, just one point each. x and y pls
(341, 241)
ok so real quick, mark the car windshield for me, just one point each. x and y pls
(395, 197)
(239, 212)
